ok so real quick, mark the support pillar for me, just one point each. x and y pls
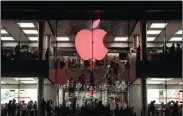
(143, 57)
(128, 94)
(40, 57)
(135, 42)
(47, 43)
(63, 102)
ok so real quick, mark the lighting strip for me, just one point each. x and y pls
(159, 27)
(121, 39)
(30, 31)
(62, 38)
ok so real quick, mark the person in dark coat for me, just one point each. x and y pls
(43, 105)
(47, 54)
(10, 107)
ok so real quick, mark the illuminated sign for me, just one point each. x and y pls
(84, 46)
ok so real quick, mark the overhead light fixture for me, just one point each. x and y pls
(6, 38)
(28, 82)
(158, 25)
(30, 31)
(26, 25)
(3, 31)
(152, 32)
(180, 83)
(33, 38)
(25, 79)
(151, 38)
(179, 32)
(121, 39)
(154, 82)
(161, 79)
(2, 82)
(176, 39)
(62, 38)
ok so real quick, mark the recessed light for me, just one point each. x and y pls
(151, 38)
(27, 25)
(176, 39)
(30, 31)
(6, 38)
(154, 82)
(33, 38)
(121, 39)
(152, 32)
(179, 32)
(161, 79)
(3, 31)
(158, 25)
(24, 79)
(27, 82)
(62, 38)
(2, 82)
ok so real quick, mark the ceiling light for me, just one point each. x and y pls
(179, 32)
(154, 82)
(6, 38)
(33, 38)
(28, 82)
(158, 25)
(25, 79)
(151, 38)
(161, 79)
(3, 31)
(26, 25)
(121, 39)
(62, 38)
(2, 82)
(152, 32)
(30, 31)
(180, 83)
(176, 39)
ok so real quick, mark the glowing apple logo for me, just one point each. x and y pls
(83, 43)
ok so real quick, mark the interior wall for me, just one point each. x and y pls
(49, 90)
(135, 94)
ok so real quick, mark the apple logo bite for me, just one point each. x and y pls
(84, 45)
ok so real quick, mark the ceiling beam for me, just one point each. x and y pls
(15, 31)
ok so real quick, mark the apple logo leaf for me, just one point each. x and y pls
(96, 23)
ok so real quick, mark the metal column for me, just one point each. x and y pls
(40, 57)
(143, 57)
(47, 42)
(135, 42)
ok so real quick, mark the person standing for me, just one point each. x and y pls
(47, 54)
(10, 108)
(17, 51)
(14, 107)
(43, 104)
(35, 108)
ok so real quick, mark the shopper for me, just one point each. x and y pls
(14, 107)
(35, 108)
(43, 105)
(47, 53)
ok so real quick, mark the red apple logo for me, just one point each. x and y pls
(84, 45)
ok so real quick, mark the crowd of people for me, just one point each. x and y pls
(172, 108)
(19, 109)
(21, 53)
(98, 109)
(166, 53)
(46, 109)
